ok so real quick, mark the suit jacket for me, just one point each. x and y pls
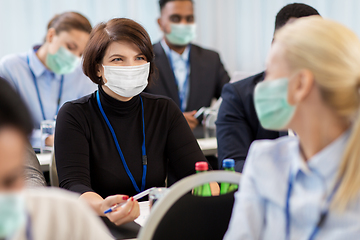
(237, 125)
(207, 77)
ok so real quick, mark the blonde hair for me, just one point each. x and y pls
(332, 53)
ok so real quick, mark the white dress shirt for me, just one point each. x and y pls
(260, 205)
(181, 69)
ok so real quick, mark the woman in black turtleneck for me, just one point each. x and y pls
(119, 58)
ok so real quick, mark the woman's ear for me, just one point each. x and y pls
(300, 86)
(50, 35)
(98, 70)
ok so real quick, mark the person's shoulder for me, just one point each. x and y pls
(50, 195)
(83, 100)
(204, 51)
(78, 106)
(273, 154)
(160, 102)
(268, 164)
(272, 145)
(156, 99)
(243, 89)
(157, 44)
(64, 214)
(157, 47)
(78, 73)
(13, 60)
(80, 81)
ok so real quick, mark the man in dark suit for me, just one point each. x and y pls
(192, 76)
(237, 125)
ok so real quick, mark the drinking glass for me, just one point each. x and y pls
(47, 129)
(157, 193)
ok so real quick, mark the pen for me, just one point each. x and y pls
(199, 112)
(136, 197)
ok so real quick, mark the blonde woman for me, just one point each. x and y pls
(305, 187)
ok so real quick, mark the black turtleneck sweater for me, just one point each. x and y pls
(86, 156)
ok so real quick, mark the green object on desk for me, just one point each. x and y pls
(228, 165)
(203, 190)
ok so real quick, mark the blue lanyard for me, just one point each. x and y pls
(38, 92)
(182, 94)
(28, 228)
(143, 149)
(323, 215)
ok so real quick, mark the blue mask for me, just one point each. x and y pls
(271, 105)
(181, 34)
(12, 213)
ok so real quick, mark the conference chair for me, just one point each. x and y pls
(54, 180)
(33, 174)
(181, 215)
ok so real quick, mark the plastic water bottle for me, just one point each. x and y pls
(228, 165)
(203, 190)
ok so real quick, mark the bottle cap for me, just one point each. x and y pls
(201, 166)
(228, 163)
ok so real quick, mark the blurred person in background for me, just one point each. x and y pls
(305, 187)
(35, 214)
(237, 125)
(49, 75)
(190, 75)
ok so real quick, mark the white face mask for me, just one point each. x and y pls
(127, 81)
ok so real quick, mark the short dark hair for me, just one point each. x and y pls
(117, 29)
(13, 111)
(293, 10)
(162, 3)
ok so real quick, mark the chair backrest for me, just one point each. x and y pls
(54, 180)
(34, 177)
(180, 215)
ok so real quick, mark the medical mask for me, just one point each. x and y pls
(62, 62)
(181, 34)
(12, 213)
(271, 105)
(127, 81)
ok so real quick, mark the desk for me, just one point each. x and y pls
(207, 145)
(129, 230)
(144, 213)
(44, 160)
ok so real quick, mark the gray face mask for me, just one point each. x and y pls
(127, 81)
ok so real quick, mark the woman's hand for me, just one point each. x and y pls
(124, 214)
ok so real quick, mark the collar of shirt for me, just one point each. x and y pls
(37, 67)
(174, 55)
(325, 163)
